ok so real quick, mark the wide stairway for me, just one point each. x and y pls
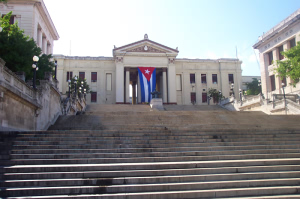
(130, 152)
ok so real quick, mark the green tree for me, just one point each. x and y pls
(253, 88)
(17, 50)
(215, 94)
(290, 67)
(78, 83)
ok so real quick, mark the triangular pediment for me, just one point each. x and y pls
(145, 46)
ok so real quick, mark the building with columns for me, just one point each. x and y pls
(179, 81)
(281, 37)
(32, 17)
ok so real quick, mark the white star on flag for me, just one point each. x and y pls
(147, 71)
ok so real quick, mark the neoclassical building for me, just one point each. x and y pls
(180, 81)
(33, 17)
(281, 37)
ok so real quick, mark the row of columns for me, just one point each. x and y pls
(127, 83)
(43, 43)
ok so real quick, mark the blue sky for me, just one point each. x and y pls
(207, 29)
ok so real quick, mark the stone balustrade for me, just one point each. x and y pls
(25, 108)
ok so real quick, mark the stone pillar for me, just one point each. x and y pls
(164, 91)
(264, 74)
(139, 89)
(119, 80)
(49, 51)
(172, 82)
(134, 92)
(277, 79)
(127, 82)
(40, 38)
(44, 45)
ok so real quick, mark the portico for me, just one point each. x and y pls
(145, 53)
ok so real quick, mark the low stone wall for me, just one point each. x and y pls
(25, 108)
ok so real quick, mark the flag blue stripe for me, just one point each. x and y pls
(142, 86)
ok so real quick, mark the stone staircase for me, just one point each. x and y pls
(190, 154)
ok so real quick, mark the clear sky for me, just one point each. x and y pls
(206, 29)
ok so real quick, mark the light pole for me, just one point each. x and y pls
(220, 96)
(75, 85)
(35, 68)
(55, 63)
(232, 89)
(69, 85)
(241, 100)
(282, 84)
(259, 84)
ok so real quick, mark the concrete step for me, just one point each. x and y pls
(140, 188)
(149, 179)
(89, 160)
(151, 165)
(145, 150)
(34, 174)
(165, 145)
(150, 154)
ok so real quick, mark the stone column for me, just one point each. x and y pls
(40, 38)
(44, 45)
(164, 91)
(134, 92)
(49, 51)
(264, 74)
(119, 80)
(172, 82)
(127, 82)
(277, 79)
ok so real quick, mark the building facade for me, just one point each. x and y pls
(32, 17)
(179, 81)
(281, 37)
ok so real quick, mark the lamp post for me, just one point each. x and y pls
(69, 81)
(55, 63)
(241, 100)
(35, 68)
(220, 96)
(282, 84)
(75, 85)
(259, 84)
(231, 88)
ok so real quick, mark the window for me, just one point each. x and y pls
(280, 49)
(178, 82)
(270, 57)
(230, 78)
(292, 43)
(204, 97)
(94, 76)
(193, 98)
(69, 75)
(214, 78)
(11, 20)
(93, 96)
(82, 75)
(192, 78)
(108, 81)
(272, 80)
(203, 78)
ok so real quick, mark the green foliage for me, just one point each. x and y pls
(214, 93)
(290, 67)
(253, 88)
(17, 50)
(78, 84)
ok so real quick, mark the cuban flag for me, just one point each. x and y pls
(147, 77)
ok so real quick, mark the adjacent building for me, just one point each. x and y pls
(179, 81)
(281, 37)
(32, 17)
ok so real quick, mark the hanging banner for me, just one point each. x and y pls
(147, 77)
